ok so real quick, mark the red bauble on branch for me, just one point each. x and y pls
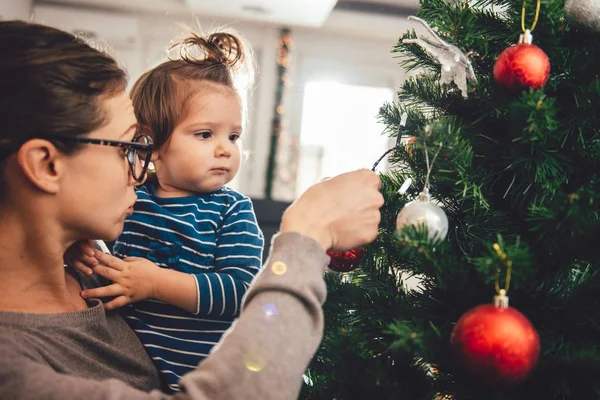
(522, 66)
(496, 343)
(345, 261)
(408, 146)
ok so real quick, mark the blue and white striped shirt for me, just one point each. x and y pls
(214, 237)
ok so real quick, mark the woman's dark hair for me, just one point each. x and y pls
(51, 83)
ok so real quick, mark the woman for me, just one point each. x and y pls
(70, 159)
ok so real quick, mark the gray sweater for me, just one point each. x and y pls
(93, 354)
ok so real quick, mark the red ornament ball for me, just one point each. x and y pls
(522, 66)
(408, 147)
(497, 345)
(345, 261)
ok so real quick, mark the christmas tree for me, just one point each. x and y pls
(517, 155)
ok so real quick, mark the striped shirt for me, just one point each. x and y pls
(214, 237)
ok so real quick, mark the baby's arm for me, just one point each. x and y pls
(135, 279)
(238, 259)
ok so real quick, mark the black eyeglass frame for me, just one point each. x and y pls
(131, 147)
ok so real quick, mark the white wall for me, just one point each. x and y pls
(353, 46)
(15, 9)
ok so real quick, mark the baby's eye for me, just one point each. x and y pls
(204, 134)
(234, 137)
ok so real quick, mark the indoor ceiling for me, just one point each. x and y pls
(386, 7)
(281, 12)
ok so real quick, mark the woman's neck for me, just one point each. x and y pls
(34, 279)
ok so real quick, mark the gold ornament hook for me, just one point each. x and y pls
(535, 19)
(508, 263)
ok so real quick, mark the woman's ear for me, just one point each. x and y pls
(42, 164)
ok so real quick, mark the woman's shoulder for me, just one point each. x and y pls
(15, 345)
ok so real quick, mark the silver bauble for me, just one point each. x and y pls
(424, 212)
(584, 12)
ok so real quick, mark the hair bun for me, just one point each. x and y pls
(218, 48)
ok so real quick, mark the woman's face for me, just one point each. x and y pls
(98, 190)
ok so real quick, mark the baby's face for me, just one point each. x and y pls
(203, 153)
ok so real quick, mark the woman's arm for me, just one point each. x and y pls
(263, 355)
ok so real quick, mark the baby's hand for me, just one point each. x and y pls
(81, 256)
(133, 278)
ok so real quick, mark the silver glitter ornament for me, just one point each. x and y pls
(424, 212)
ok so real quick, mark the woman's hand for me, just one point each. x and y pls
(341, 213)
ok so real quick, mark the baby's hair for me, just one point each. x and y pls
(222, 55)
(159, 96)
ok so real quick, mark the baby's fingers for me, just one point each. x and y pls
(105, 291)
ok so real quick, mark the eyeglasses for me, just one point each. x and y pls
(137, 151)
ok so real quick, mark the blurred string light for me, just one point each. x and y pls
(277, 129)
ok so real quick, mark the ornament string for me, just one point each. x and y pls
(535, 20)
(430, 166)
(401, 127)
(508, 263)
